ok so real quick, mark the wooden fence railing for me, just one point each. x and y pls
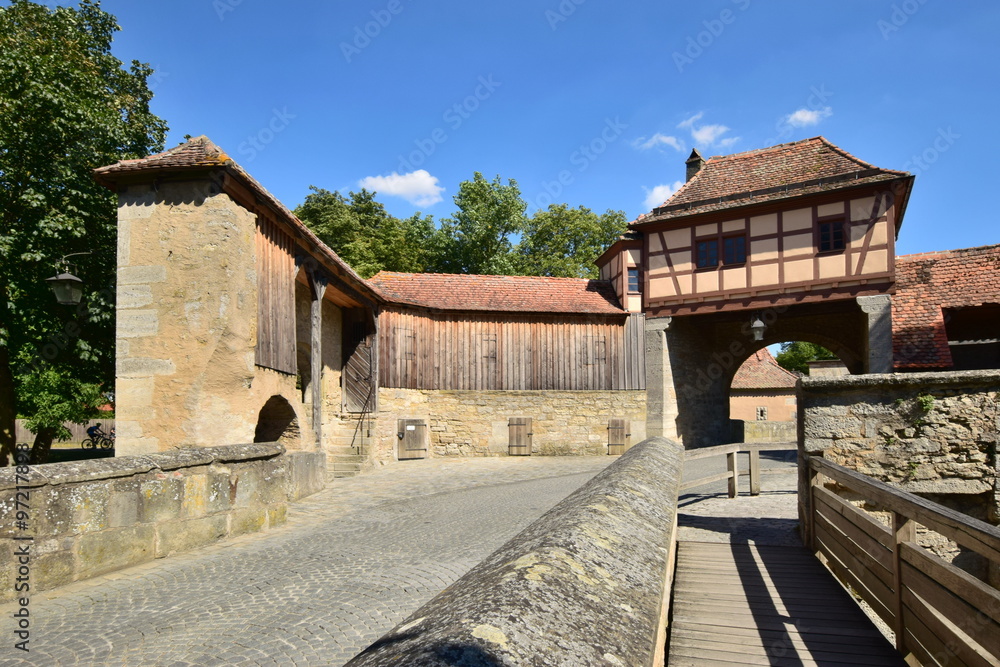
(940, 614)
(732, 474)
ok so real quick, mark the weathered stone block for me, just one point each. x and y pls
(161, 499)
(123, 508)
(54, 569)
(277, 515)
(114, 549)
(177, 536)
(134, 275)
(251, 520)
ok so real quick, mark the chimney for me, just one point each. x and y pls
(694, 164)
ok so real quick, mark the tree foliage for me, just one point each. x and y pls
(795, 356)
(67, 106)
(489, 233)
(565, 242)
(365, 235)
(478, 238)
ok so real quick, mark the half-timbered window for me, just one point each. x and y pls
(633, 281)
(734, 249)
(708, 253)
(831, 235)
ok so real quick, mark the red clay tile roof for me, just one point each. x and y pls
(768, 174)
(201, 153)
(523, 294)
(761, 371)
(928, 283)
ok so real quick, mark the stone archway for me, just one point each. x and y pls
(277, 422)
(703, 353)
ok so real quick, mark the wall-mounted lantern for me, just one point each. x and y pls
(757, 326)
(67, 287)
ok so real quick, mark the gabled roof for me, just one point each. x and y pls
(199, 154)
(928, 283)
(768, 174)
(761, 371)
(518, 294)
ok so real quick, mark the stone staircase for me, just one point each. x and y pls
(347, 446)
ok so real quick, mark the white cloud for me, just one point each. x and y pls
(417, 187)
(689, 123)
(661, 193)
(658, 139)
(806, 117)
(707, 135)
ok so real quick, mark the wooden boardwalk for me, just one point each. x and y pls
(744, 604)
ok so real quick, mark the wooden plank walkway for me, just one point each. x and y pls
(747, 604)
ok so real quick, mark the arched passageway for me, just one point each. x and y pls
(277, 422)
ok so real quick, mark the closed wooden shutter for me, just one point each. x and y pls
(617, 437)
(520, 436)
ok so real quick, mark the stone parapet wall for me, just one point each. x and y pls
(763, 431)
(934, 434)
(475, 423)
(586, 584)
(90, 517)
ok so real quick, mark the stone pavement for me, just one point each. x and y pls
(352, 562)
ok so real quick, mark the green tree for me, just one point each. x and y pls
(67, 105)
(565, 242)
(478, 237)
(365, 235)
(795, 356)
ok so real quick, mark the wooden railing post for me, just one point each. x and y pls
(813, 479)
(904, 530)
(754, 472)
(734, 473)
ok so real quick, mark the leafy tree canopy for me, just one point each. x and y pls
(795, 356)
(67, 106)
(478, 238)
(365, 235)
(565, 242)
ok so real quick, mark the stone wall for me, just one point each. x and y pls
(586, 584)
(91, 517)
(763, 431)
(475, 423)
(187, 323)
(934, 434)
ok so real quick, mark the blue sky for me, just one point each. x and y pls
(581, 101)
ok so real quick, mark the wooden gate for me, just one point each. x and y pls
(359, 378)
(520, 436)
(617, 437)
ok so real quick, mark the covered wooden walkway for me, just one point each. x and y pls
(743, 604)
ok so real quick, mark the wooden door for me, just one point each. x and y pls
(412, 437)
(618, 437)
(359, 377)
(520, 436)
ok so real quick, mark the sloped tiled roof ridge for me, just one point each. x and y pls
(926, 285)
(200, 153)
(761, 371)
(765, 174)
(512, 294)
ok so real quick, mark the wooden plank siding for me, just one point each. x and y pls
(276, 270)
(509, 351)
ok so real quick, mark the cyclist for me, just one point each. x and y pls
(95, 431)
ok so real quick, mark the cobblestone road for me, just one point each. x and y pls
(350, 564)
